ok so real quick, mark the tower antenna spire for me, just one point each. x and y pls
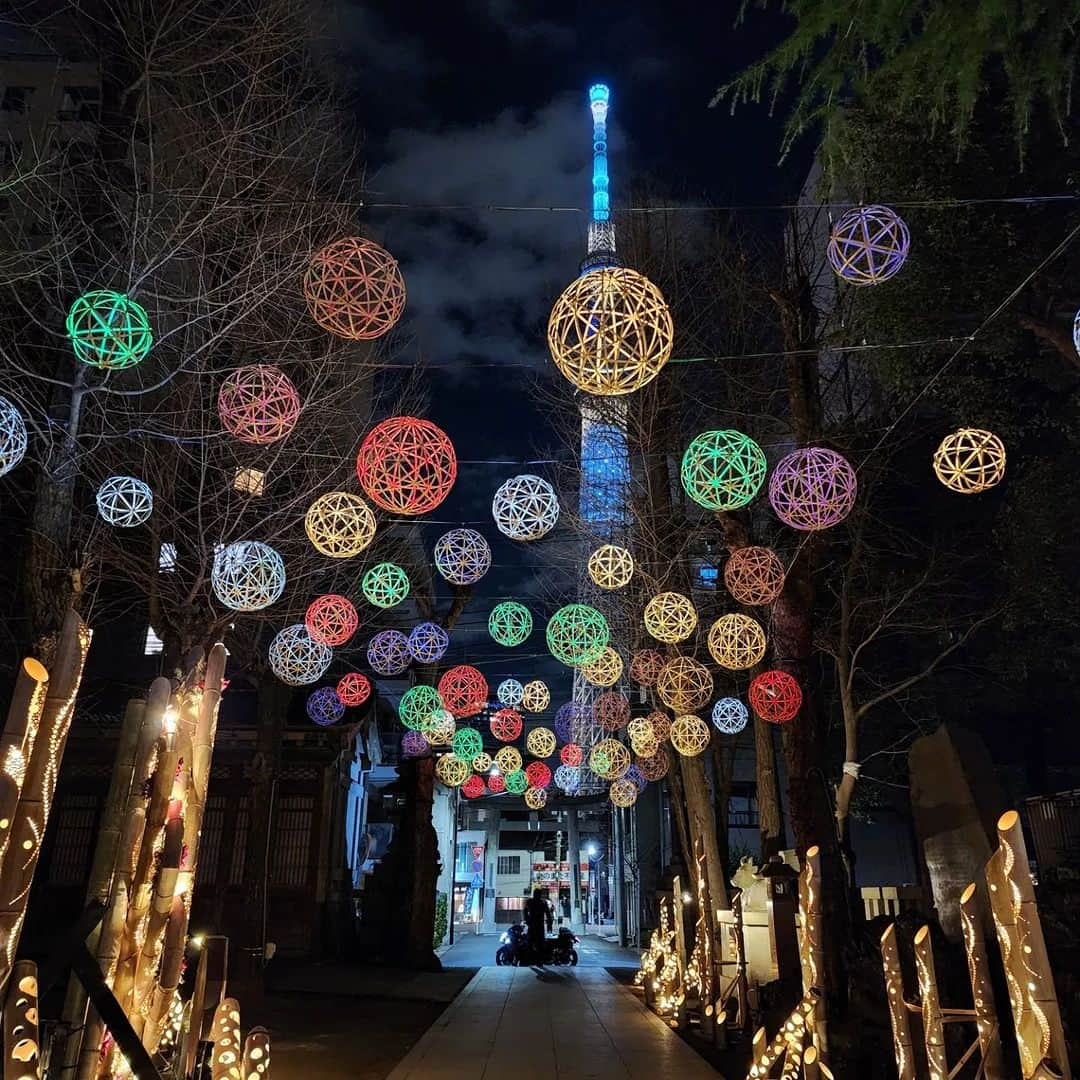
(601, 228)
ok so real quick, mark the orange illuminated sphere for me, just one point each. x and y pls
(661, 724)
(645, 665)
(506, 725)
(776, 696)
(612, 711)
(331, 619)
(406, 465)
(655, 765)
(354, 289)
(353, 689)
(464, 690)
(754, 575)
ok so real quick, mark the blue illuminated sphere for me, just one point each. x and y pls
(638, 777)
(428, 643)
(324, 706)
(565, 719)
(730, 715)
(568, 778)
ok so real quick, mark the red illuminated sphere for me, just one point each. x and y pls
(612, 711)
(538, 774)
(353, 689)
(496, 784)
(258, 404)
(645, 666)
(775, 696)
(571, 754)
(331, 619)
(464, 690)
(406, 465)
(506, 725)
(354, 289)
(474, 787)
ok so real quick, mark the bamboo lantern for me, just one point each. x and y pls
(723, 470)
(611, 711)
(406, 465)
(482, 762)
(496, 785)
(643, 738)
(775, 696)
(754, 576)
(571, 754)
(388, 653)
(414, 744)
(536, 798)
(467, 743)
(525, 507)
(464, 690)
(505, 725)
(418, 705)
(982, 989)
(538, 774)
(124, 502)
(813, 488)
(324, 707)
(108, 330)
(24, 715)
(353, 689)
(256, 1054)
(690, 735)
(684, 684)
(661, 725)
(933, 1025)
(730, 716)
(258, 404)
(970, 460)
(385, 585)
(510, 623)
(577, 634)
(568, 779)
(645, 666)
(296, 659)
(611, 566)
(605, 670)
(22, 1040)
(339, 524)
(898, 1013)
(13, 439)
(535, 697)
(226, 1058)
(654, 766)
(247, 575)
(609, 759)
(441, 728)
(670, 617)
(354, 289)
(623, 793)
(474, 787)
(331, 619)
(540, 742)
(462, 556)
(508, 758)
(868, 245)
(737, 642)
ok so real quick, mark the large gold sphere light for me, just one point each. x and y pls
(605, 670)
(670, 617)
(643, 738)
(970, 460)
(508, 759)
(684, 684)
(541, 742)
(623, 792)
(610, 332)
(452, 771)
(339, 524)
(536, 798)
(611, 566)
(737, 641)
(690, 735)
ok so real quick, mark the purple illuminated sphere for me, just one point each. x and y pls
(638, 777)
(565, 719)
(812, 489)
(868, 244)
(428, 643)
(413, 744)
(324, 706)
(388, 652)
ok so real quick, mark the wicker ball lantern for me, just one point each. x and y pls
(353, 689)
(661, 725)
(623, 793)
(247, 575)
(670, 617)
(418, 706)
(570, 719)
(690, 735)
(637, 778)
(258, 404)
(538, 774)
(441, 728)
(577, 634)
(354, 288)
(414, 744)
(406, 465)
(510, 623)
(12, 436)
(474, 787)
(868, 244)
(324, 706)
(645, 665)
(1076, 331)
(297, 660)
(611, 566)
(536, 798)
(571, 754)
(428, 643)
(125, 501)
(609, 759)
(970, 460)
(108, 330)
(496, 784)
(568, 779)
(736, 641)
(535, 697)
(611, 710)
(388, 653)
(643, 738)
(813, 488)
(483, 761)
(462, 556)
(605, 670)
(508, 759)
(754, 576)
(339, 524)
(525, 507)
(541, 742)
(464, 690)
(684, 684)
(385, 585)
(776, 696)
(610, 332)
(467, 743)
(723, 470)
(452, 771)
(516, 782)
(730, 716)
(510, 692)
(654, 766)
(331, 619)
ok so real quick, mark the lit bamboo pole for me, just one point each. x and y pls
(17, 740)
(933, 1025)
(226, 1056)
(982, 990)
(214, 951)
(742, 985)
(256, 1055)
(898, 1014)
(790, 1037)
(22, 1041)
(814, 951)
(811, 1071)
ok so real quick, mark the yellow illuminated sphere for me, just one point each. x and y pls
(623, 792)
(340, 524)
(684, 684)
(536, 798)
(610, 332)
(970, 460)
(670, 617)
(441, 728)
(508, 759)
(643, 738)
(690, 735)
(535, 696)
(541, 742)
(452, 771)
(605, 670)
(611, 566)
(609, 759)
(737, 641)
(482, 762)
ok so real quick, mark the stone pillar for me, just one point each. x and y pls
(619, 899)
(491, 868)
(573, 856)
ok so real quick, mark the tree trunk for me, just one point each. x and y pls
(702, 821)
(678, 812)
(422, 865)
(770, 819)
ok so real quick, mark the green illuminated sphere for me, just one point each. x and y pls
(510, 623)
(108, 330)
(418, 705)
(517, 782)
(577, 634)
(467, 743)
(385, 584)
(723, 470)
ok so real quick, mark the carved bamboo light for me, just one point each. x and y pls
(754, 575)
(354, 289)
(247, 575)
(737, 641)
(970, 460)
(109, 330)
(525, 507)
(406, 465)
(258, 404)
(462, 556)
(339, 524)
(723, 470)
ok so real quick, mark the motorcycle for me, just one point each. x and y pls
(514, 948)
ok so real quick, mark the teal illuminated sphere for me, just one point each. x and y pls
(577, 634)
(517, 782)
(385, 584)
(510, 623)
(418, 705)
(109, 330)
(467, 743)
(723, 470)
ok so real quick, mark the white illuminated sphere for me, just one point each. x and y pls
(510, 692)
(730, 715)
(12, 436)
(525, 507)
(125, 502)
(296, 658)
(462, 556)
(247, 575)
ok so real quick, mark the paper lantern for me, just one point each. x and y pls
(730, 715)
(736, 641)
(296, 659)
(643, 738)
(670, 617)
(776, 696)
(464, 690)
(684, 684)
(467, 743)
(331, 619)
(108, 330)
(541, 742)
(124, 502)
(474, 787)
(610, 332)
(258, 404)
(576, 634)
(462, 556)
(754, 575)
(690, 735)
(609, 759)
(406, 465)
(340, 524)
(723, 470)
(353, 689)
(516, 783)
(441, 728)
(496, 784)
(388, 652)
(611, 710)
(414, 744)
(970, 460)
(510, 692)
(509, 760)
(645, 665)
(12, 436)
(510, 623)
(623, 793)
(535, 696)
(452, 771)
(482, 762)
(354, 288)
(611, 566)
(385, 584)
(417, 707)
(525, 507)
(536, 798)
(324, 706)
(538, 774)
(812, 489)
(605, 670)
(247, 575)
(568, 720)
(868, 244)
(568, 778)
(654, 766)
(428, 643)
(637, 778)
(661, 725)
(571, 754)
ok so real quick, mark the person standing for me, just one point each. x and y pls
(539, 918)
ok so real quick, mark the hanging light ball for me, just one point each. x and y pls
(388, 652)
(568, 779)
(525, 507)
(609, 759)
(637, 778)
(354, 288)
(684, 684)
(623, 792)
(516, 782)
(571, 754)
(428, 643)
(353, 689)
(464, 690)
(813, 488)
(540, 742)
(723, 470)
(776, 696)
(452, 771)
(331, 619)
(247, 575)
(643, 739)
(406, 465)
(462, 556)
(611, 710)
(508, 758)
(736, 641)
(441, 728)
(510, 692)
(605, 670)
(730, 715)
(324, 706)
(690, 735)
(296, 659)
(569, 719)
(611, 566)
(645, 665)
(535, 696)
(610, 332)
(577, 634)
(12, 436)
(339, 524)
(670, 617)
(970, 460)
(414, 744)
(474, 787)
(505, 724)
(661, 725)
(510, 623)
(538, 774)
(417, 707)
(482, 762)
(868, 244)
(654, 766)
(258, 404)
(536, 798)
(467, 743)
(124, 502)
(754, 575)
(385, 585)
(108, 330)
(496, 784)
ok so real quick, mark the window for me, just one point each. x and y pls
(213, 827)
(508, 909)
(292, 840)
(80, 103)
(73, 827)
(166, 559)
(708, 576)
(509, 864)
(742, 812)
(153, 646)
(249, 481)
(16, 99)
(463, 858)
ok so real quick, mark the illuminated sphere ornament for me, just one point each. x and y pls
(525, 507)
(690, 735)
(124, 501)
(1076, 331)
(339, 524)
(812, 489)
(324, 706)
(623, 792)
(612, 710)
(538, 774)
(536, 798)
(331, 619)
(605, 670)
(535, 696)
(441, 728)
(643, 738)
(467, 743)
(385, 585)
(464, 690)
(645, 665)
(754, 575)
(353, 689)
(388, 652)
(417, 707)
(723, 470)
(577, 634)
(970, 460)
(510, 692)
(568, 778)
(569, 719)
(516, 782)
(776, 696)
(354, 289)
(736, 641)
(109, 330)
(571, 754)
(868, 244)
(508, 758)
(670, 617)
(637, 777)
(510, 623)
(661, 725)
(730, 715)
(482, 762)
(609, 759)
(474, 787)
(541, 742)
(462, 556)
(406, 465)
(247, 575)
(297, 660)
(414, 744)
(611, 566)
(610, 332)
(496, 784)
(654, 766)
(12, 436)
(684, 684)
(428, 643)
(452, 771)
(258, 404)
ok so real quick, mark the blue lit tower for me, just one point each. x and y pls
(601, 228)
